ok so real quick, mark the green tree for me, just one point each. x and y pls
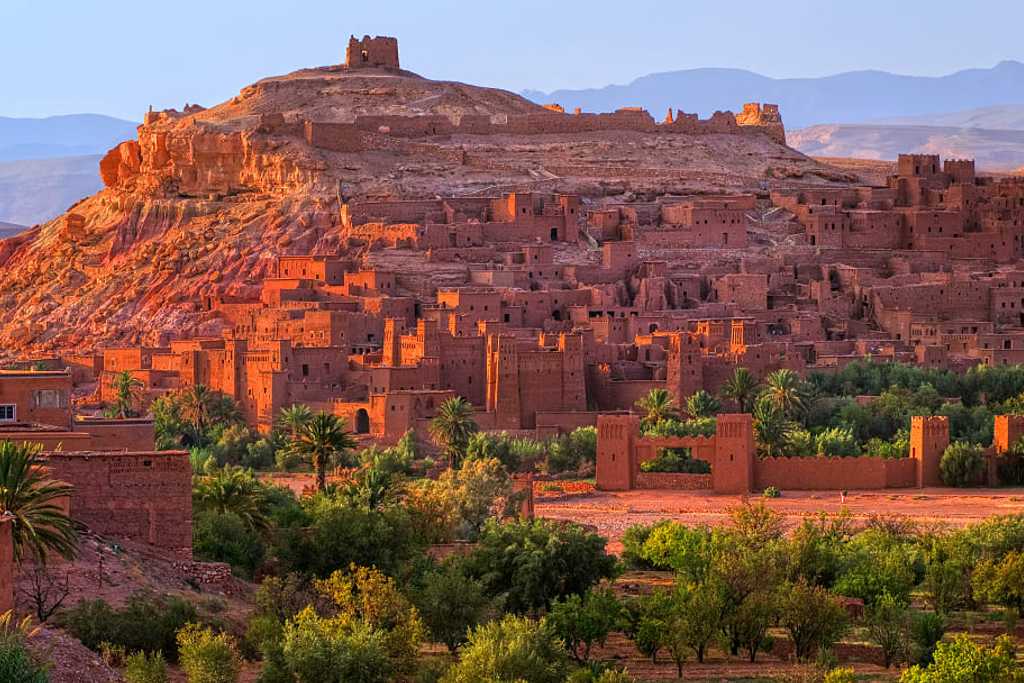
(742, 388)
(532, 563)
(888, 625)
(232, 490)
(814, 618)
(40, 526)
(293, 418)
(963, 661)
(962, 464)
(451, 604)
(785, 389)
(368, 596)
(657, 405)
(702, 404)
(1001, 581)
(696, 616)
(510, 650)
(647, 621)
(750, 622)
(322, 441)
(452, 427)
(126, 395)
(582, 621)
(208, 657)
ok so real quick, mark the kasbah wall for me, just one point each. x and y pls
(731, 452)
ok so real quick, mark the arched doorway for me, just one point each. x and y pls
(362, 421)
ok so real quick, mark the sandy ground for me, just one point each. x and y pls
(612, 512)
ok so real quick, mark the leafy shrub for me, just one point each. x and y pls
(962, 464)
(675, 460)
(771, 492)
(146, 623)
(315, 652)
(926, 631)
(208, 657)
(837, 441)
(814, 618)
(582, 621)
(843, 674)
(874, 564)
(224, 537)
(513, 649)
(450, 604)
(143, 668)
(633, 540)
(532, 563)
(964, 660)
(16, 663)
(704, 426)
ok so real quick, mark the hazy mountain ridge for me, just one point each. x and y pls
(852, 97)
(36, 190)
(61, 136)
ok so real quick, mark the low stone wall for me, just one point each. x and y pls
(823, 473)
(677, 481)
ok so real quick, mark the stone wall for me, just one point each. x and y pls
(824, 473)
(143, 496)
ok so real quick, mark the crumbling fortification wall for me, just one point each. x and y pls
(143, 496)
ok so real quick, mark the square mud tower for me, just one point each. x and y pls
(379, 51)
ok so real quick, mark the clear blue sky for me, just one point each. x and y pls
(117, 57)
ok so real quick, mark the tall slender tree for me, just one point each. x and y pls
(321, 441)
(785, 389)
(293, 418)
(451, 428)
(742, 388)
(126, 395)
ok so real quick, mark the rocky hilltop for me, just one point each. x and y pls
(203, 200)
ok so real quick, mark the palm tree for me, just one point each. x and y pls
(198, 403)
(40, 525)
(320, 441)
(742, 388)
(785, 390)
(233, 490)
(126, 389)
(451, 428)
(658, 405)
(294, 417)
(770, 427)
(702, 404)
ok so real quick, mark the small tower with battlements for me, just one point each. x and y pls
(379, 51)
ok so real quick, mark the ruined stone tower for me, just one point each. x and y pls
(379, 51)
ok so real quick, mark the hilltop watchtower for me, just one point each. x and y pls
(379, 51)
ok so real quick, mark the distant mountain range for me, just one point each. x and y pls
(992, 150)
(61, 136)
(9, 229)
(36, 190)
(853, 97)
(1004, 117)
(48, 164)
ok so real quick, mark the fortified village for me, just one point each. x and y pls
(560, 266)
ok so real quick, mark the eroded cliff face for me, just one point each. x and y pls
(194, 159)
(202, 202)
